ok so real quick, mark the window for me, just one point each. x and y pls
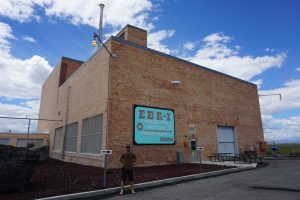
(4, 141)
(91, 136)
(71, 137)
(34, 142)
(58, 139)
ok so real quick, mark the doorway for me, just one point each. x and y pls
(194, 155)
(226, 140)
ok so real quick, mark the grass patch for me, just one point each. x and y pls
(285, 149)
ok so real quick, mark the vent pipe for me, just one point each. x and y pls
(101, 5)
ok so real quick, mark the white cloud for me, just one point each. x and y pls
(22, 10)
(286, 129)
(155, 38)
(298, 69)
(218, 55)
(269, 50)
(290, 98)
(258, 82)
(107, 35)
(19, 79)
(27, 108)
(117, 13)
(189, 45)
(216, 39)
(5, 34)
(28, 38)
(281, 129)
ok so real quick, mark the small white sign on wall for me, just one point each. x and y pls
(106, 151)
(200, 148)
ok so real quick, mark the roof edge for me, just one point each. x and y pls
(84, 63)
(178, 59)
(64, 57)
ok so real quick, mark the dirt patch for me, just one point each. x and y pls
(57, 178)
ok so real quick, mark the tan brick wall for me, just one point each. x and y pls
(48, 103)
(204, 98)
(136, 76)
(68, 67)
(85, 93)
(49, 97)
(134, 34)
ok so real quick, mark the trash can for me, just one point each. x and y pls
(179, 157)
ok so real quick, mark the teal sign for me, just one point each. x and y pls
(153, 125)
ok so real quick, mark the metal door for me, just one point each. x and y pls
(193, 145)
(226, 140)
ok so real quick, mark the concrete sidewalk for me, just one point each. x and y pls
(230, 163)
(99, 193)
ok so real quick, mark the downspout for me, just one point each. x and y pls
(107, 102)
(65, 124)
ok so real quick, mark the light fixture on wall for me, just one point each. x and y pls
(175, 82)
(97, 38)
(94, 44)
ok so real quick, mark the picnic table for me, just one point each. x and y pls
(215, 157)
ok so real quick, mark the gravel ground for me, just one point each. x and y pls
(57, 178)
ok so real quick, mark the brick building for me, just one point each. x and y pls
(158, 103)
(21, 140)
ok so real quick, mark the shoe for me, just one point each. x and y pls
(121, 193)
(133, 192)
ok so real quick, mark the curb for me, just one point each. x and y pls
(283, 158)
(146, 184)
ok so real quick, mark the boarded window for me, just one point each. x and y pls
(31, 142)
(4, 141)
(58, 139)
(71, 137)
(91, 136)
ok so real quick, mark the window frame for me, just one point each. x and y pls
(92, 128)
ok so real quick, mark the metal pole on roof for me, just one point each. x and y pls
(101, 5)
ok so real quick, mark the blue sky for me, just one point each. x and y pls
(256, 40)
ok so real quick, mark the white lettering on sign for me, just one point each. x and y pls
(200, 148)
(106, 151)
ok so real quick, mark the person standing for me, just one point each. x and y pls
(127, 159)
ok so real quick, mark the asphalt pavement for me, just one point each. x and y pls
(275, 180)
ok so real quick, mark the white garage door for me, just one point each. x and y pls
(226, 139)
